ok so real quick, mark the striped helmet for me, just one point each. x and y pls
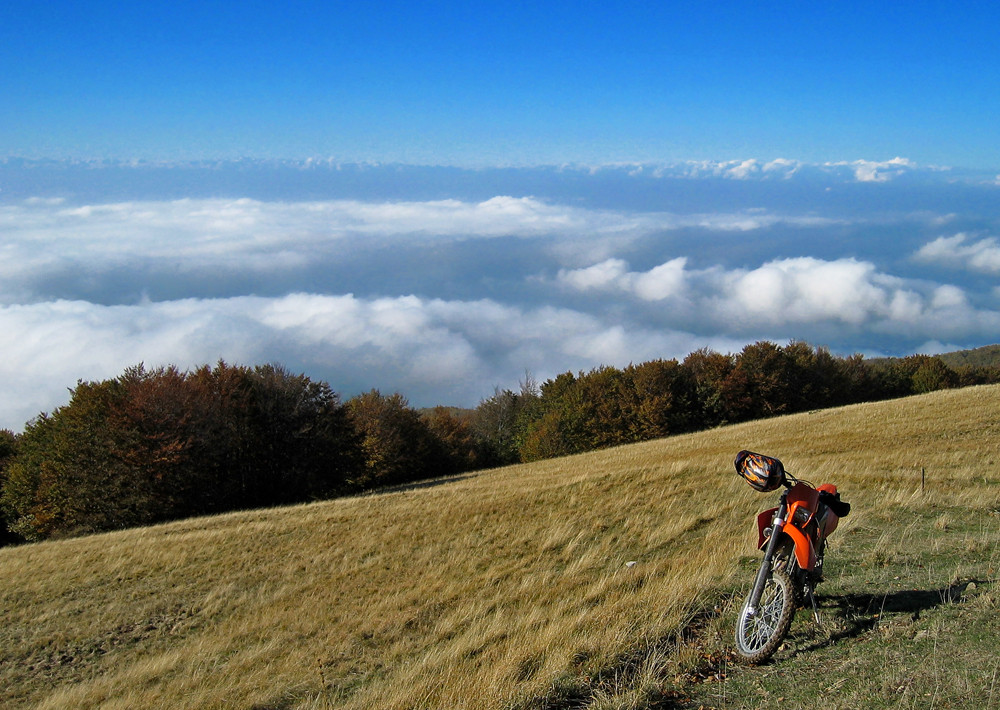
(763, 473)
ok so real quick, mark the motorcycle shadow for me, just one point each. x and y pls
(858, 614)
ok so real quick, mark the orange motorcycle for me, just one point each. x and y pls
(793, 537)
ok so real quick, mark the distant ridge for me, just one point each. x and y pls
(985, 356)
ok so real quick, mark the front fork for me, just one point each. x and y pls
(765, 566)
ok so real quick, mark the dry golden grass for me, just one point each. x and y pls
(489, 591)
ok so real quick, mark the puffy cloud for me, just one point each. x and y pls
(659, 283)
(783, 166)
(663, 281)
(744, 169)
(846, 292)
(804, 290)
(50, 249)
(453, 351)
(956, 251)
(607, 274)
(878, 171)
(782, 295)
(49, 346)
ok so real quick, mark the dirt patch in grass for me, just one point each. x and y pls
(75, 660)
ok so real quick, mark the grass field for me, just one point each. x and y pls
(607, 580)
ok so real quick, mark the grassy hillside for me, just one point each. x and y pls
(516, 588)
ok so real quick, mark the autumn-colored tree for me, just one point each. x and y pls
(157, 431)
(463, 451)
(159, 444)
(664, 398)
(396, 442)
(971, 375)
(605, 413)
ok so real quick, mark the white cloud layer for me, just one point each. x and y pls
(431, 349)
(455, 351)
(47, 240)
(441, 299)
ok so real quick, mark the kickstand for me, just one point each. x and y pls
(812, 598)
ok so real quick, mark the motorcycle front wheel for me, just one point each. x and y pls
(759, 635)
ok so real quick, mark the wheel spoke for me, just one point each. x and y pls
(758, 635)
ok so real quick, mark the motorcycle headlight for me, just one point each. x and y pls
(801, 516)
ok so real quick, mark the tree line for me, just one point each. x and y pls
(608, 406)
(159, 444)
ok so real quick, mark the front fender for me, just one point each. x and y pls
(805, 555)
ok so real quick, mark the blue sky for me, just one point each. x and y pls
(501, 83)
(435, 198)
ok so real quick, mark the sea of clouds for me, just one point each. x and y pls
(443, 283)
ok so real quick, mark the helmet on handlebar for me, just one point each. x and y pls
(763, 473)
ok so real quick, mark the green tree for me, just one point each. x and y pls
(914, 374)
(581, 413)
(544, 439)
(504, 421)
(710, 372)
(8, 446)
(553, 428)
(66, 478)
(8, 450)
(932, 374)
(859, 383)
(302, 442)
(495, 425)
(767, 385)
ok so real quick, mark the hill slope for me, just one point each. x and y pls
(986, 356)
(508, 588)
